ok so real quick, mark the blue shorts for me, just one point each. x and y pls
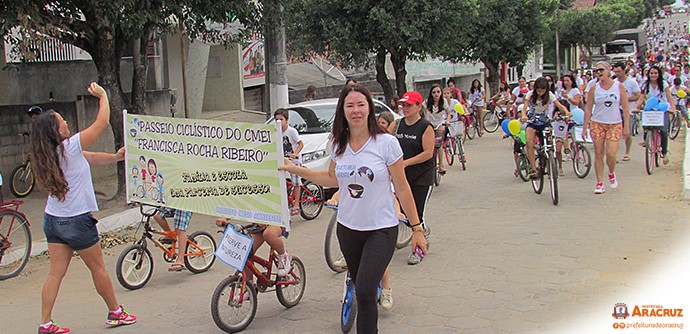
(539, 126)
(78, 232)
(181, 219)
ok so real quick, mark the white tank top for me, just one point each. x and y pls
(607, 104)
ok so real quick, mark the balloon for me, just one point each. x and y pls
(514, 127)
(459, 109)
(523, 137)
(651, 103)
(663, 106)
(578, 115)
(681, 94)
(504, 126)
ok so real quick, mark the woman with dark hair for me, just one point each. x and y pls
(503, 95)
(62, 168)
(364, 161)
(552, 83)
(656, 87)
(537, 108)
(310, 95)
(570, 92)
(476, 97)
(605, 100)
(438, 115)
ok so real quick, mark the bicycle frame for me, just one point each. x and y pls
(171, 251)
(305, 190)
(12, 206)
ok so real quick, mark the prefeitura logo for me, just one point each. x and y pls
(620, 311)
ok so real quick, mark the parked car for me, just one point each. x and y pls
(313, 120)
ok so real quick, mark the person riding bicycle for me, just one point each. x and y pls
(539, 102)
(477, 95)
(517, 97)
(292, 146)
(438, 115)
(680, 102)
(656, 87)
(272, 235)
(457, 121)
(181, 221)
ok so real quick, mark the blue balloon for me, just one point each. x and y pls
(652, 103)
(504, 126)
(662, 106)
(578, 115)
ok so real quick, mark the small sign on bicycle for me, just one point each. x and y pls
(653, 118)
(578, 135)
(234, 248)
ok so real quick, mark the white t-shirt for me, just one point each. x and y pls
(571, 94)
(454, 116)
(80, 197)
(656, 92)
(590, 84)
(366, 199)
(437, 117)
(607, 104)
(631, 87)
(539, 108)
(291, 143)
(476, 96)
(677, 100)
(683, 80)
(579, 82)
(519, 97)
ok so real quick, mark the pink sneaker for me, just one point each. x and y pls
(122, 317)
(53, 329)
(613, 180)
(599, 188)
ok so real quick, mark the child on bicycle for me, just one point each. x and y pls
(292, 146)
(456, 120)
(681, 102)
(272, 235)
(181, 221)
(560, 132)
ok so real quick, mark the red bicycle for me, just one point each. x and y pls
(15, 239)
(311, 198)
(652, 135)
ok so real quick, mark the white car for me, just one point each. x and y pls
(313, 120)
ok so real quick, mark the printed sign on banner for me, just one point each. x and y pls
(577, 132)
(223, 169)
(234, 248)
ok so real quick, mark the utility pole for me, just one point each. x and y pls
(277, 82)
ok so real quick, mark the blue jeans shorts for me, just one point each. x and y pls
(78, 232)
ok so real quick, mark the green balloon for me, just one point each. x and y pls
(523, 137)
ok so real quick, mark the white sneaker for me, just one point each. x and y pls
(386, 299)
(613, 180)
(284, 264)
(340, 262)
(599, 189)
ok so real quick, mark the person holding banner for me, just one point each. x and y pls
(62, 168)
(292, 146)
(364, 161)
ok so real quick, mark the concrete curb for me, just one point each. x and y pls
(686, 167)
(119, 220)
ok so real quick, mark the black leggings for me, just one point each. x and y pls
(421, 194)
(367, 254)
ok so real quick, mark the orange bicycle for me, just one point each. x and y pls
(135, 263)
(234, 302)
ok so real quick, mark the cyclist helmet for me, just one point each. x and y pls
(35, 110)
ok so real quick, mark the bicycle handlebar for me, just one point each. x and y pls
(149, 213)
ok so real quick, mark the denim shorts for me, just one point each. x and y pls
(78, 232)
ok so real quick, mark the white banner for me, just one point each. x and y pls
(234, 248)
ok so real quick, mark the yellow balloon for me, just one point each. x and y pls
(459, 109)
(681, 94)
(514, 127)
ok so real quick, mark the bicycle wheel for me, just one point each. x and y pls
(538, 183)
(348, 312)
(460, 149)
(331, 246)
(491, 122)
(15, 244)
(22, 180)
(523, 168)
(205, 247)
(471, 129)
(636, 124)
(582, 160)
(448, 151)
(553, 177)
(134, 267)
(437, 172)
(649, 153)
(311, 200)
(675, 126)
(229, 313)
(290, 295)
(657, 147)
(404, 235)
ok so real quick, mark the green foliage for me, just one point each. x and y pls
(589, 26)
(631, 12)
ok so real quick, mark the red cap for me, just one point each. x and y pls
(412, 97)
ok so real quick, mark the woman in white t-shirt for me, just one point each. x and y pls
(363, 163)
(439, 116)
(571, 93)
(656, 87)
(62, 167)
(605, 100)
(477, 95)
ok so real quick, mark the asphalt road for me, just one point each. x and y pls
(503, 260)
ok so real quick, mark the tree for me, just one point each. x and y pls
(105, 28)
(587, 27)
(631, 12)
(350, 32)
(500, 31)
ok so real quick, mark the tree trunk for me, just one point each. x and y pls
(494, 77)
(107, 59)
(381, 75)
(140, 65)
(398, 59)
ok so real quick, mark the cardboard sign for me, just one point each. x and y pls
(234, 248)
(653, 118)
(577, 134)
